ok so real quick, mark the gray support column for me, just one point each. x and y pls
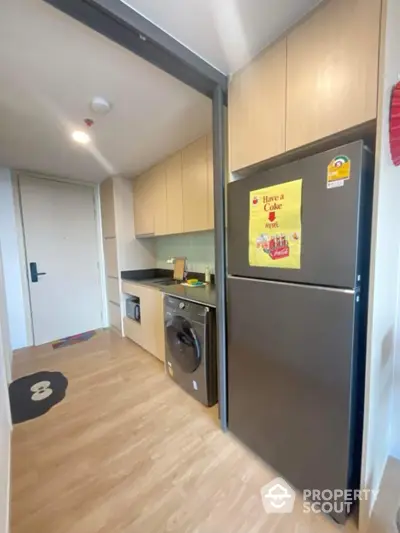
(219, 144)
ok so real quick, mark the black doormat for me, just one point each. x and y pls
(34, 395)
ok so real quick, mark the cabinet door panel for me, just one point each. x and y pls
(257, 108)
(195, 189)
(150, 332)
(114, 315)
(107, 208)
(152, 321)
(332, 68)
(173, 174)
(159, 202)
(111, 257)
(133, 330)
(143, 205)
(113, 294)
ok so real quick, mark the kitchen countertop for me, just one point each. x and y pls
(203, 295)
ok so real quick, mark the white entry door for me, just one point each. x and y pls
(62, 247)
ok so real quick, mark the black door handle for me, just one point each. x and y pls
(34, 273)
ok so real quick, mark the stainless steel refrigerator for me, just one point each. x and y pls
(296, 336)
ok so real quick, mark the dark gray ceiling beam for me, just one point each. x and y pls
(125, 26)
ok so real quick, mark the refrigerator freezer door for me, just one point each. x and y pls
(290, 375)
(330, 220)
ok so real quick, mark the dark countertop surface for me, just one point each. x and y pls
(203, 295)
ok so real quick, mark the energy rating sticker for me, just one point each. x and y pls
(275, 226)
(339, 170)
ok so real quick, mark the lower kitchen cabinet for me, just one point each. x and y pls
(133, 330)
(149, 333)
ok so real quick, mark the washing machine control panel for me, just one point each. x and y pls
(188, 309)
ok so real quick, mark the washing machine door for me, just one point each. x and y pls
(183, 344)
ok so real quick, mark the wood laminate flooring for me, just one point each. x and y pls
(127, 451)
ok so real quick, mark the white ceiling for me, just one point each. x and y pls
(226, 33)
(50, 68)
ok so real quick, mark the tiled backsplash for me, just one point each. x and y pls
(198, 248)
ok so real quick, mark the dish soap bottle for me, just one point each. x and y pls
(207, 275)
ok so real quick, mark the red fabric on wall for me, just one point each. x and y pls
(394, 125)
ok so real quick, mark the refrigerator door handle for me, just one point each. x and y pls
(293, 284)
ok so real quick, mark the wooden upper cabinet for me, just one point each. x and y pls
(149, 202)
(195, 186)
(143, 205)
(173, 174)
(107, 208)
(159, 192)
(210, 182)
(177, 196)
(332, 69)
(257, 109)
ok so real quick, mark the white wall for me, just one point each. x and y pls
(197, 247)
(384, 277)
(133, 254)
(11, 261)
(5, 333)
(5, 419)
(395, 416)
(393, 75)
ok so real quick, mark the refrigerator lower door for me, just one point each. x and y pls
(291, 368)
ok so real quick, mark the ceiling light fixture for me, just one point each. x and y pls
(100, 105)
(80, 137)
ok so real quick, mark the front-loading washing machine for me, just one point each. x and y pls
(190, 357)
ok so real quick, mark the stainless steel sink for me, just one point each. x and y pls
(167, 281)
